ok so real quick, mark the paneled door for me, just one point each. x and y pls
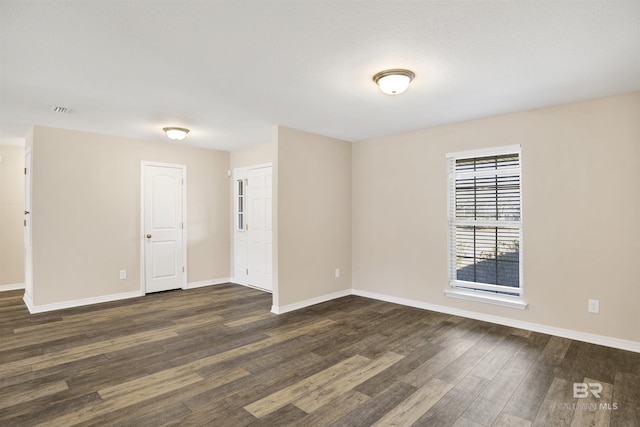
(253, 227)
(163, 227)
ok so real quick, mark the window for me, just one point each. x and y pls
(240, 203)
(485, 223)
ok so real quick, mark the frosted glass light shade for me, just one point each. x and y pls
(393, 82)
(177, 134)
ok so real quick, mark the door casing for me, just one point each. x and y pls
(28, 249)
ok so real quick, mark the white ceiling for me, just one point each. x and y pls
(229, 70)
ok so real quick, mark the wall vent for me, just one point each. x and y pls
(58, 109)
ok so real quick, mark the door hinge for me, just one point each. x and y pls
(246, 227)
(183, 268)
(25, 222)
(25, 171)
(182, 225)
(247, 271)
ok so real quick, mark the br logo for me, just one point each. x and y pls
(582, 390)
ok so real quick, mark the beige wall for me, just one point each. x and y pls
(86, 212)
(251, 156)
(313, 199)
(11, 215)
(581, 211)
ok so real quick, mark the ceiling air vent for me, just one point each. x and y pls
(58, 109)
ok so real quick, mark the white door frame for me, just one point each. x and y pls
(28, 251)
(241, 173)
(142, 238)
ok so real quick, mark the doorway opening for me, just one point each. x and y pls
(253, 226)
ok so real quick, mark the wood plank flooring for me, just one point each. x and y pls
(216, 356)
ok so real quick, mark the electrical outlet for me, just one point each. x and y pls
(123, 274)
(594, 306)
(337, 273)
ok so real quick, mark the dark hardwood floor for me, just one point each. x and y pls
(217, 356)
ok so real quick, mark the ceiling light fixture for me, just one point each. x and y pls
(394, 81)
(177, 134)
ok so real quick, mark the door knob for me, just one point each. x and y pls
(148, 236)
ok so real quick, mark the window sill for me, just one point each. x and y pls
(505, 301)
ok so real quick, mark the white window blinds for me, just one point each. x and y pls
(485, 227)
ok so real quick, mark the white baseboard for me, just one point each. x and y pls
(243, 283)
(12, 287)
(550, 330)
(28, 302)
(238, 281)
(77, 303)
(258, 288)
(105, 298)
(210, 282)
(306, 303)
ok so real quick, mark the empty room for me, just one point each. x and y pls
(319, 213)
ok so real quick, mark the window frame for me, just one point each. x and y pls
(477, 291)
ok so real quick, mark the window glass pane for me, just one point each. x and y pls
(240, 205)
(488, 198)
(488, 255)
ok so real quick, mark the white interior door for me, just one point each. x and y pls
(259, 228)
(163, 229)
(28, 265)
(253, 255)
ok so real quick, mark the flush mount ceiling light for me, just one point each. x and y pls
(177, 134)
(395, 81)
